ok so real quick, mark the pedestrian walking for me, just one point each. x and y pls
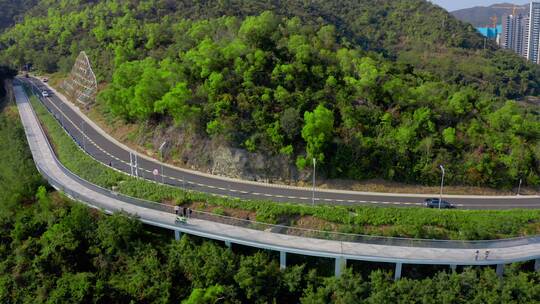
(189, 212)
(176, 209)
(487, 254)
(184, 211)
(476, 255)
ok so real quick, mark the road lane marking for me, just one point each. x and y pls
(87, 139)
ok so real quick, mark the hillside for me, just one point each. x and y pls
(371, 89)
(480, 16)
(12, 11)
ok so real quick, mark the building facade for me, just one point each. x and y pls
(514, 33)
(492, 33)
(533, 33)
(521, 33)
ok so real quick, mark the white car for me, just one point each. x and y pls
(45, 94)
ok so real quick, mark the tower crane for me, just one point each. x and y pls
(514, 8)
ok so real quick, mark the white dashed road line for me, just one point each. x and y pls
(93, 143)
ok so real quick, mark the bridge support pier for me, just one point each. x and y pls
(341, 263)
(228, 244)
(282, 260)
(177, 235)
(397, 272)
(500, 270)
(537, 265)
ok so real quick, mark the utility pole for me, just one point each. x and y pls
(314, 172)
(519, 187)
(442, 184)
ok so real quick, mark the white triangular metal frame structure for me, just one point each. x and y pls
(81, 85)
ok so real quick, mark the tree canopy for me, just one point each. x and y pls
(408, 86)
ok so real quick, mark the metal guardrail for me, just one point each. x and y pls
(329, 235)
(280, 229)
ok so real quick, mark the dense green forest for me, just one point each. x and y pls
(55, 251)
(370, 89)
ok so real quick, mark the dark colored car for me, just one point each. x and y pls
(434, 203)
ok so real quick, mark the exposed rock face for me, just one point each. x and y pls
(251, 166)
(213, 156)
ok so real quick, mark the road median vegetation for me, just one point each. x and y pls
(395, 222)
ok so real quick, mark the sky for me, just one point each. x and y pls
(452, 5)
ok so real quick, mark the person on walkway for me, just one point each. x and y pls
(476, 256)
(176, 209)
(184, 211)
(189, 212)
(487, 254)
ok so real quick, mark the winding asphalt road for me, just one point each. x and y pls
(286, 240)
(108, 151)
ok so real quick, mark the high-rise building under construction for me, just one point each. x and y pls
(522, 33)
(533, 33)
(514, 34)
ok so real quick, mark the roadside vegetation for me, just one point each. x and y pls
(398, 222)
(371, 89)
(55, 251)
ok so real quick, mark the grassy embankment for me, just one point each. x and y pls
(18, 175)
(402, 222)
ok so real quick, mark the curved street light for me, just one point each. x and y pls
(442, 185)
(314, 167)
(161, 156)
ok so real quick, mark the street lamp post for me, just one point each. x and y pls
(60, 115)
(131, 163)
(519, 187)
(83, 136)
(136, 164)
(161, 156)
(314, 172)
(442, 185)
